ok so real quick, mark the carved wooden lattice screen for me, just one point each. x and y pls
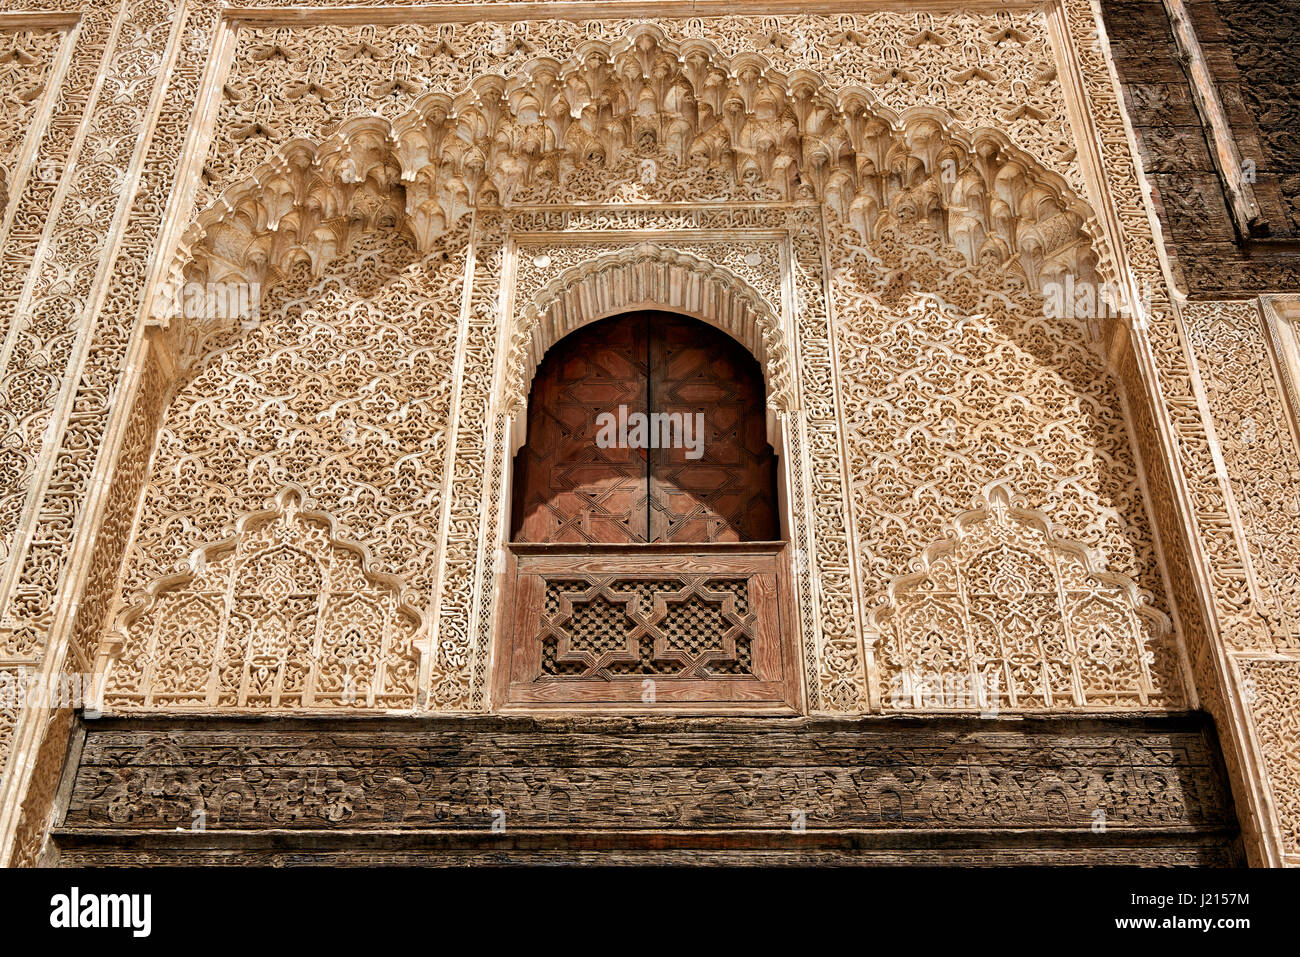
(645, 559)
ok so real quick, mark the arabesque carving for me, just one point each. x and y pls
(503, 138)
(1271, 686)
(553, 132)
(283, 615)
(995, 68)
(26, 59)
(87, 246)
(556, 133)
(340, 388)
(1250, 415)
(26, 62)
(951, 376)
(1001, 613)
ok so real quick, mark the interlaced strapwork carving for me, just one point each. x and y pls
(285, 615)
(1002, 614)
(688, 627)
(59, 335)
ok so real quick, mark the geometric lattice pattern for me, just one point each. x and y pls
(686, 627)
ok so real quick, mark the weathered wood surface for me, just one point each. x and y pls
(1247, 50)
(686, 790)
(742, 658)
(722, 488)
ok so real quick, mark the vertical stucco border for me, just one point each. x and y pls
(1197, 526)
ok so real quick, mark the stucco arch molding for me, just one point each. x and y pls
(489, 144)
(648, 275)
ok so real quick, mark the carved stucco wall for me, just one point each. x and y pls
(641, 150)
(912, 286)
(1246, 361)
(341, 389)
(27, 67)
(637, 116)
(27, 62)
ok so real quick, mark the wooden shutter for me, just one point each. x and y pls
(729, 493)
(647, 577)
(567, 489)
(570, 490)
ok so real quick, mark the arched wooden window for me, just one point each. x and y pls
(648, 427)
(646, 559)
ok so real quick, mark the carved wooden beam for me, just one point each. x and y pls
(1241, 196)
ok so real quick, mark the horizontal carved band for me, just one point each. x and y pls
(963, 783)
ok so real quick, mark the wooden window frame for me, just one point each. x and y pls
(774, 688)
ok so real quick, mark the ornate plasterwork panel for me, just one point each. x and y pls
(1253, 422)
(953, 377)
(990, 70)
(79, 349)
(1003, 614)
(61, 223)
(26, 64)
(64, 216)
(1247, 355)
(1216, 605)
(11, 678)
(641, 120)
(341, 387)
(1272, 686)
(284, 615)
(635, 115)
(647, 115)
